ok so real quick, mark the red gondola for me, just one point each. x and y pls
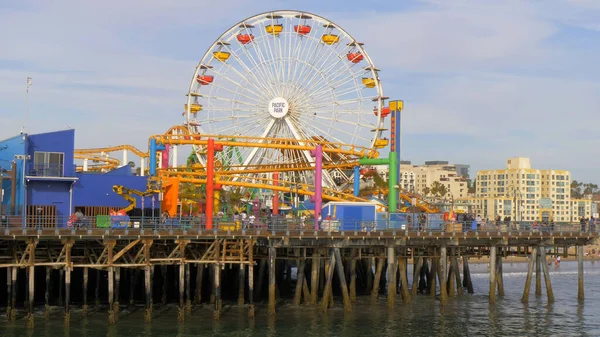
(205, 79)
(355, 57)
(245, 38)
(385, 111)
(302, 29)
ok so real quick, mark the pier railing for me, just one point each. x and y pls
(276, 224)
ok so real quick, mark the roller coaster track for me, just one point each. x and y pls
(260, 183)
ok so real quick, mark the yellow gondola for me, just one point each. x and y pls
(330, 38)
(194, 107)
(368, 82)
(222, 55)
(274, 29)
(381, 143)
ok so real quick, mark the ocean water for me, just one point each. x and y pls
(467, 315)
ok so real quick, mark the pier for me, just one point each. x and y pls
(192, 266)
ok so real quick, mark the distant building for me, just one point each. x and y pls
(527, 194)
(415, 178)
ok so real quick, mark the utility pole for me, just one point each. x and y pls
(27, 85)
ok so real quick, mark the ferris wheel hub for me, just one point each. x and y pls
(278, 107)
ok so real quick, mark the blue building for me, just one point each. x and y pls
(46, 187)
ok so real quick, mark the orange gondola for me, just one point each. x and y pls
(355, 57)
(245, 38)
(302, 29)
(205, 79)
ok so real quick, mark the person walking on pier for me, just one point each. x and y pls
(582, 223)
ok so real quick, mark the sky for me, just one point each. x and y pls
(482, 81)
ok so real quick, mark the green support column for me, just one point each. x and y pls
(392, 162)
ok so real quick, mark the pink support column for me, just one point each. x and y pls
(318, 154)
(210, 189)
(275, 194)
(165, 157)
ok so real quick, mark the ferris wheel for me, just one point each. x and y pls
(291, 75)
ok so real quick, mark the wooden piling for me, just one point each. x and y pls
(61, 283)
(327, 290)
(251, 280)
(378, 270)
(217, 285)
(468, 283)
(272, 280)
(492, 298)
(181, 309)
(404, 293)
(84, 309)
(456, 269)
(369, 272)
(580, 294)
(299, 283)
(148, 289)
(148, 275)
(549, 292)
(9, 292)
(340, 271)
(353, 279)
(451, 279)
(111, 295)
(417, 264)
(499, 276)
(241, 284)
(532, 262)
(46, 292)
(116, 306)
(199, 276)
(443, 272)
(31, 291)
(188, 295)
(433, 276)
(111, 284)
(538, 274)
(68, 268)
(314, 273)
(14, 293)
(391, 277)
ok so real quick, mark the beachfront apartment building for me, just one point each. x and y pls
(527, 194)
(415, 178)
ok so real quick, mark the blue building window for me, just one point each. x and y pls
(47, 164)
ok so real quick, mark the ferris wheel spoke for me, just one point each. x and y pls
(261, 60)
(334, 82)
(236, 101)
(309, 56)
(259, 68)
(238, 85)
(260, 91)
(325, 126)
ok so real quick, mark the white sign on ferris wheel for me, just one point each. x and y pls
(278, 107)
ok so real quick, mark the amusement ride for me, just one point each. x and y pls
(268, 92)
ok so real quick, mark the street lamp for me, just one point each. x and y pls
(516, 206)
(452, 200)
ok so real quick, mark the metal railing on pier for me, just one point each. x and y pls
(278, 224)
